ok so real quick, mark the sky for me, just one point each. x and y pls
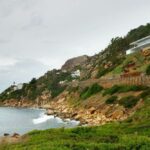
(39, 35)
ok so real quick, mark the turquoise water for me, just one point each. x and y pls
(16, 120)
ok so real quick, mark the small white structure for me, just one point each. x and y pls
(139, 45)
(64, 71)
(62, 82)
(18, 87)
(75, 74)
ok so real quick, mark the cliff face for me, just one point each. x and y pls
(74, 62)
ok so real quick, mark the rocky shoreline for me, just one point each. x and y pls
(7, 138)
(87, 116)
(93, 114)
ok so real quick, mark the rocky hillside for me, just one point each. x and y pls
(73, 63)
(91, 89)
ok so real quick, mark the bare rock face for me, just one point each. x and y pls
(72, 63)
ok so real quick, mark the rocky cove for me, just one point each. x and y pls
(94, 112)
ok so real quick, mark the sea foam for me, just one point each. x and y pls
(42, 118)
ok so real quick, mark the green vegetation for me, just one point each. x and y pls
(145, 93)
(103, 71)
(117, 70)
(115, 52)
(111, 90)
(148, 70)
(111, 100)
(89, 91)
(129, 101)
(123, 88)
(49, 82)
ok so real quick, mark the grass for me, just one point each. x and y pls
(117, 70)
(115, 136)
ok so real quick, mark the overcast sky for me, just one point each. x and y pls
(38, 35)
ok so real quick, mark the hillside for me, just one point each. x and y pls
(111, 61)
(109, 87)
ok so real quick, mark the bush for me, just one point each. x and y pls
(145, 94)
(57, 91)
(148, 70)
(89, 91)
(129, 101)
(103, 71)
(123, 88)
(111, 100)
(131, 88)
(112, 90)
(33, 81)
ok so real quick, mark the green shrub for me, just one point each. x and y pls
(148, 70)
(145, 93)
(111, 90)
(103, 71)
(123, 88)
(89, 91)
(129, 101)
(127, 88)
(33, 81)
(111, 100)
(57, 91)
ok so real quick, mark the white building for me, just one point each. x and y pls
(18, 87)
(62, 82)
(139, 45)
(75, 74)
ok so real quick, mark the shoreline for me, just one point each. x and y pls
(8, 137)
(93, 115)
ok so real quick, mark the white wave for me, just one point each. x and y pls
(59, 120)
(43, 118)
(74, 122)
(67, 120)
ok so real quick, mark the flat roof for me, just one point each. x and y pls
(140, 40)
(139, 47)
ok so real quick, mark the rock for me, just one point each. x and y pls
(117, 114)
(15, 135)
(72, 63)
(94, 74)
(50, 112)
(73, 115)
(6, 134)
(92, 110)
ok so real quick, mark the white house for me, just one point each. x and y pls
(18, 87)
(76, 74)
(62, 82)
(139, 45)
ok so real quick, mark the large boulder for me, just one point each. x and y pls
(74, 62)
